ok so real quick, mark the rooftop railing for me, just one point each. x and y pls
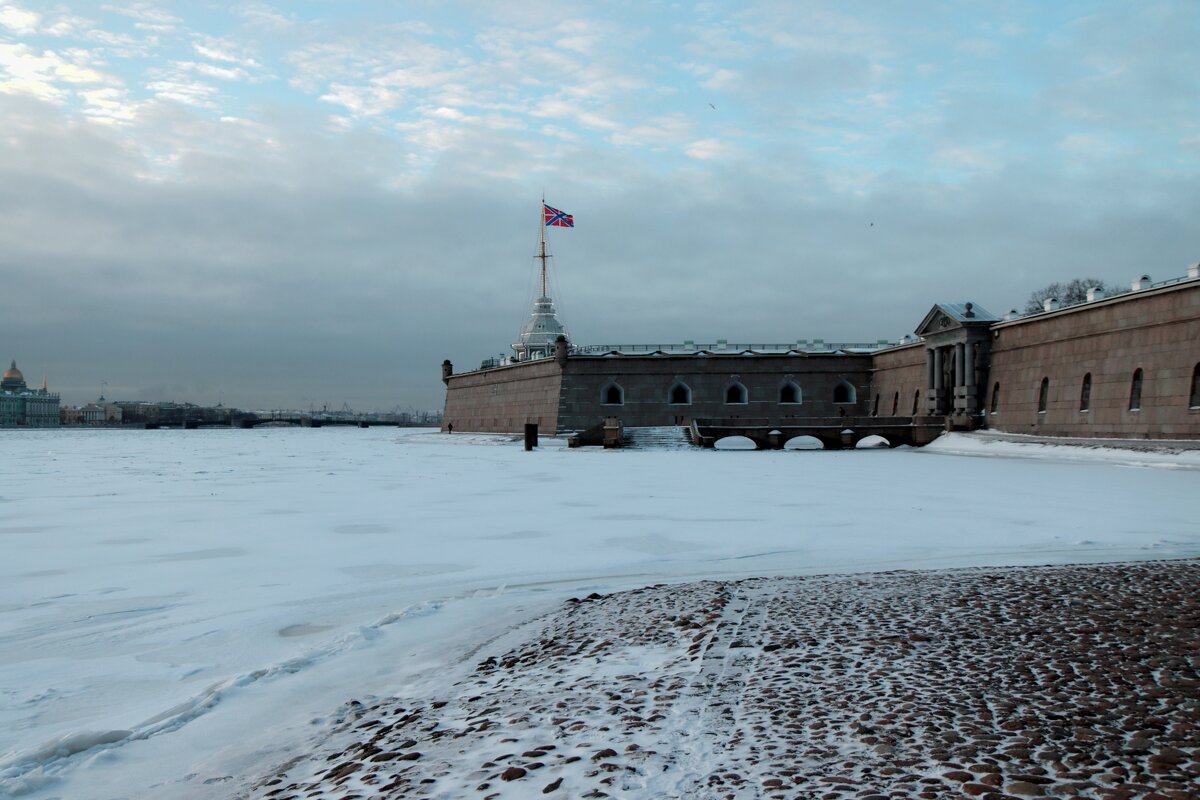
(1015, 314)
(724, 347)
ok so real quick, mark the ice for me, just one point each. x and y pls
(179, 609)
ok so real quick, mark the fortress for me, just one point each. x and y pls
(1124, 366)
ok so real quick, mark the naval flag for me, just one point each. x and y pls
(557, 219)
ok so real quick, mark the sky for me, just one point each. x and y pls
(315, 203)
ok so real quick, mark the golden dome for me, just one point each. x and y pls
(12, 380)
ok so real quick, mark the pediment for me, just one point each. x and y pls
(946, 317)
(938, 320)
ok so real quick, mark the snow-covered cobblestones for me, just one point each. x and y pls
(1078, 681)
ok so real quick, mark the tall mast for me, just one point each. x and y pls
(542, 246)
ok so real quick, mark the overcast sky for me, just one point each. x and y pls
(315, 203)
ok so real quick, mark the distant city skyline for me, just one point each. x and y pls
(315, 203)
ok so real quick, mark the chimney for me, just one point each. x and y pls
(560, 350)
(1194, 270)
(447, 370)
(1140, 283)
(1095, 293)
(1050, 303)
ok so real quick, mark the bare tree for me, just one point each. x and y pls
(1067, 294)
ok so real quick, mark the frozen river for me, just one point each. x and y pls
(179, 610)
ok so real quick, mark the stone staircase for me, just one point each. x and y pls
(667, 437)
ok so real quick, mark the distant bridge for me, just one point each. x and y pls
(249, 419)
(834, 433)
(315, 420)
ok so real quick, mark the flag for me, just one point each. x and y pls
(557, 219)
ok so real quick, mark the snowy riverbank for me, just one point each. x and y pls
(182, 610)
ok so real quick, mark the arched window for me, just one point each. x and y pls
(1194, 402)
(735, 394)
(916, 402)
(612, 394)
(789, 393)
(1135, 391)
(995, 397)
(1085, 393)
(843, 393)
(895, 404)
(1043, 395)
(680, 394)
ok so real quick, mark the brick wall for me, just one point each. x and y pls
(504, 399)
(899, 375)
(1157, 331)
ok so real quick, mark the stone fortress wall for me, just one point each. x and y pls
(646, 386)
(1149, 337)
(504, 399)
(898, 380)
(1090, 357)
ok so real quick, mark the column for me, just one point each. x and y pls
(931, 369)
(959, 362)
(937, 395)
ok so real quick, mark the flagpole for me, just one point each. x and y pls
(542, 244)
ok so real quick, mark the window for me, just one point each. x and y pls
(1194, 402)
(789, 393)
(995, 397)
(1085, 393)
(875, 407)
(1043, 395)
(916, 402)
(843, 393)
(1135, 391)
(680, 394)
(735, 394)
(612, 395)
(895, 404)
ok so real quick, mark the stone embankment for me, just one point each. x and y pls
(1056, 682)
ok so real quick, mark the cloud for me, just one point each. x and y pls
(967, 158)
(68, 25)
(109, 104)
(19, 20)
(573, 111)
(1088, 145)
(182, 90)
(146, 16)
(720, 78)
(264, 16)
(363, 101)
(213, 71)
(667, 131)
(219, 50)
(709, 149)
(48, 74)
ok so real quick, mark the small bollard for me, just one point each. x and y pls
(530, 435)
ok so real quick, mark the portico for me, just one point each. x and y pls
(956, 349)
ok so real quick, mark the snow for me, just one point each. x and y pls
(179, 610)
